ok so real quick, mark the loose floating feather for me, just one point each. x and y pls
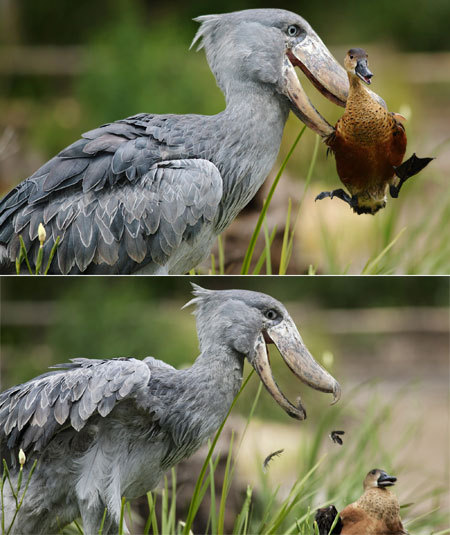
(270, 457)
(334, 435)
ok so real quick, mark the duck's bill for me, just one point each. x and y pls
(294, 352)
(362, 71)
(385, 480)
(324, 72)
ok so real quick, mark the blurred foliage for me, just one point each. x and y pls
(162, 75)
(339, 292)
(411, 24)
(103, 317)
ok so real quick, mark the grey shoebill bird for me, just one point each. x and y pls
(150, 193)
(103, 429)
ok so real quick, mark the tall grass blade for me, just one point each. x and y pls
(262, 258)
(284, 257)
(100, 531)
(225, 489)
(39, 260)
(267, 248)
(164, 507)
(220, 247)
(212, 513)
(193, 506)
(275, 525)
(24, 254)
(420, 517)
(240, 526)
(77, 527)
(173, 503)
(249, 254)
(212, 271)
(30, 475)
(122, 509)
(371, 266)
(309, 175)
(152, 520)
(52, 254)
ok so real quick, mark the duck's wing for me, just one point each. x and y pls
(356, 521)
(125, 195)
(398, 140)
(31, 413)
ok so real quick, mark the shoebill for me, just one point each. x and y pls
(150, 193)
(106, 429)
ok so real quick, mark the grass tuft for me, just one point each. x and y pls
(325, 474)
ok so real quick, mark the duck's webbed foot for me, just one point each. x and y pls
(407, 169)
(340, 194)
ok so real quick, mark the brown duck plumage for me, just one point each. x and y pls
(376, 512)
(369, 143)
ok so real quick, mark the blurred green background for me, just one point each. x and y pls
(67, 67)
(385, 339)
(49, 320)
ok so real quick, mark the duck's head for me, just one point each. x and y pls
(377, 478)
(260, 48)
(355, 64)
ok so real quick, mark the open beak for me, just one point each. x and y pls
(325, 73)
(294, 352)
(385, 480)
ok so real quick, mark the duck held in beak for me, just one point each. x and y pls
(325, 73)
(369, 144)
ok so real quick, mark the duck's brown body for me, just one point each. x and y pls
(377, 512)
(369, 142)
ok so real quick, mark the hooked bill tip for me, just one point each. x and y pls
(336, 393)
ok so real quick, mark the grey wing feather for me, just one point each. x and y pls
(113, 200)
(32, 412)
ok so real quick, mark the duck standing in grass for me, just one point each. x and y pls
(376, 512)
(369, 144)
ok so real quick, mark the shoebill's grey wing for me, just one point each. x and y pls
(31, 413)
(118, 200)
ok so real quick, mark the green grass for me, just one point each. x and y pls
(325, 473)
(407, 237)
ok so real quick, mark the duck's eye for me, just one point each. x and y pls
(373, 472)
(293, 30)
(271, 314)
(351, 57)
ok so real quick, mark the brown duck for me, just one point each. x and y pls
(369, 144)
(377, 512)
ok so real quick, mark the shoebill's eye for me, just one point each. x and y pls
(271, 314)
